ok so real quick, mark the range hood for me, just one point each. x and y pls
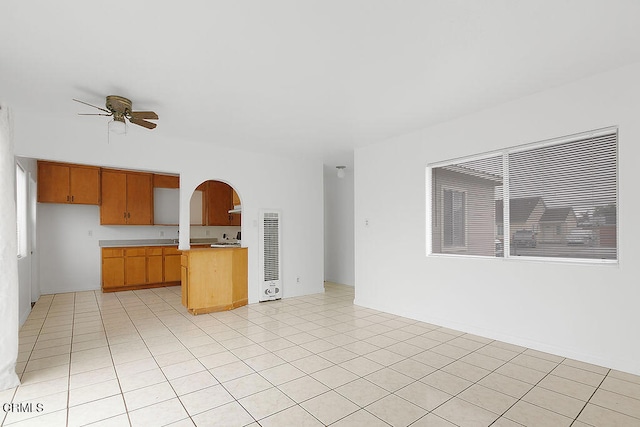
(236, 209)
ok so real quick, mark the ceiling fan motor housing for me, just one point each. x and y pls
(119, 106)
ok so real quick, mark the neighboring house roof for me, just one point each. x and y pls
(556, 214)
(519, 209)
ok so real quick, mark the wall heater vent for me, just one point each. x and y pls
(270, 238)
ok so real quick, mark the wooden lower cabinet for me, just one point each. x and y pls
(135, 266)
(112, 269)
(171, 265)
(155, 265)
(214, 279)
(139, 267)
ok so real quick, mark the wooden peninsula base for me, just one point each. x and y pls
(214, 279)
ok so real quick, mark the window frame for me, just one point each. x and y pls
(504, 153)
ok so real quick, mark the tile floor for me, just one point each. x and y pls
(138, 358)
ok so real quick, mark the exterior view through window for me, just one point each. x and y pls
(555, 199)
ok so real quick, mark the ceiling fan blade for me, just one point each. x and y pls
(94, 114)
(91, 105)
(142, 123)
(144, 115)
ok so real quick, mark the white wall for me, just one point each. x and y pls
(293, 185)
(338, 227)
(587, 312)
(8, 255)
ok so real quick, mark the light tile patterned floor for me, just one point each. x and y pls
(138, 358)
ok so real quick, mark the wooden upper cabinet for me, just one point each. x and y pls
(66, 183)
(235, 198)
(139, 199)
(220, 200)
(53, 183)
(84, 185)
(127, 198)
(165, 181)
(218, 203)
(114, 202)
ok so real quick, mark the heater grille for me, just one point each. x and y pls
(271, 246)
(270, 235)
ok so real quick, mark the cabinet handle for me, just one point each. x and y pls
(67, 198)
(72, 197)
(129, 215)
(125, 214)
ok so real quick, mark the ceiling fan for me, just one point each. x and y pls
(121, 108)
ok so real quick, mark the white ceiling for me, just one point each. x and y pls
(300, 76)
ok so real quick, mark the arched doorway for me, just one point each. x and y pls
(216, 211)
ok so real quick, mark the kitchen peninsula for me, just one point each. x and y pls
(214, 279)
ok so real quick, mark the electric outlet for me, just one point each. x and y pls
(90, 233)
(297, 280)
(161, 233)
(366, 222)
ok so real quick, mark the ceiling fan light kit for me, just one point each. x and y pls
(118, 126)
(121, 108)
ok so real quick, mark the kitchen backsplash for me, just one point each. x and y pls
(201, 232)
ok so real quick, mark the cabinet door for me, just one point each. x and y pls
(139, 199)
(135, 271)
(112, 272)
(219, 201)
(172, 268)
(53, 183)
(84, 185)
(113, 210)
(154, 269)
(235, 219)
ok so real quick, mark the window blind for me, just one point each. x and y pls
(565, 196)
(561, 201)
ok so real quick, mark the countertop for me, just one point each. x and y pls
(152, 242)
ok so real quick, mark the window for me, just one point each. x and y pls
(21, 210)
(454, 218)
(464, 203)
(554, 199)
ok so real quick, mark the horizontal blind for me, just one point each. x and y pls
(563, 199)
(464, 199)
